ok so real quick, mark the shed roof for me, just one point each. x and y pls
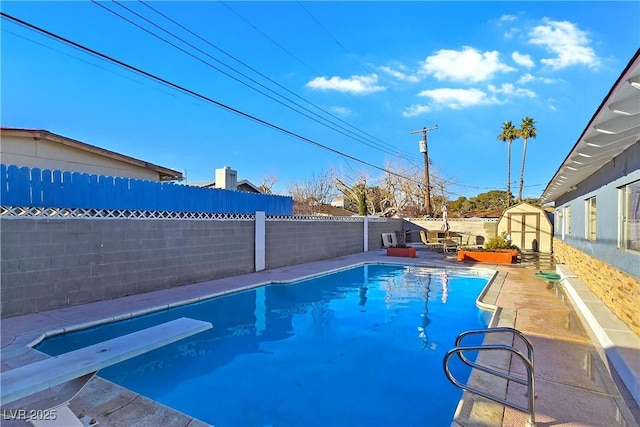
(614, 127)
(165, 174)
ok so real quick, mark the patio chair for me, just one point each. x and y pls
(429, 243)
(41, 391)
(389, 240)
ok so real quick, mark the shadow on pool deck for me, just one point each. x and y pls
(573, 387)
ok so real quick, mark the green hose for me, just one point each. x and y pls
(550, 277)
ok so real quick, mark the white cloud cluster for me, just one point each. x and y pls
(524, 60)
(341, 111)
(452, 98)
(466, 65)
(531, 78)
(567, 42)
(458, 98)
(358, 85)
(400, 75)
(512, 90)
(416, 110)
(508, 18)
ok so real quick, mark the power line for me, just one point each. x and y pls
(396, 152)
(283, 48)
(356, 138)
(192, 93)
(366, 68)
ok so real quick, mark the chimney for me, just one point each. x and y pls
(226, 178)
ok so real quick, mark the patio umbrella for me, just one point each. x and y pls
(445, 219)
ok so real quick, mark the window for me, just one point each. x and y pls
(567, 220)
(630, 218)
(590, 217)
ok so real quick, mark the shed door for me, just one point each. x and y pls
(524, 229)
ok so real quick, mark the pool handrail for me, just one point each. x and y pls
(527, 361)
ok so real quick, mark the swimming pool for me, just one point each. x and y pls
(358, 347)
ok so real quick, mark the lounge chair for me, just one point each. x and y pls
(40, 392)
(430, 243)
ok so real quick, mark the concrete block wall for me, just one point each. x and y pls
(619, 291)
(376, 228)
(297, 242)
(52, 263)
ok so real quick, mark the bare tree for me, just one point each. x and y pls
(403, 187)
(311, 193)
(268, 181)
(354, 190)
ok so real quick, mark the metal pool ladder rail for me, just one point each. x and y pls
(460, 350)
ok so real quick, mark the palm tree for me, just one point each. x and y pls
(527, 130)
(508, 135)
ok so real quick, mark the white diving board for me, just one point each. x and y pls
(53, 382)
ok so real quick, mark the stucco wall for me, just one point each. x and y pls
(52, 263)
(478, 230)
(619, 291)
(43, 154)
(603, 185)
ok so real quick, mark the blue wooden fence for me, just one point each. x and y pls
(33, 187)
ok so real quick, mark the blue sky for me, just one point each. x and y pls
(363, 75)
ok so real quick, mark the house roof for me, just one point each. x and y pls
(243, 182)
(165, 174)
(250, 185)
(614, 127)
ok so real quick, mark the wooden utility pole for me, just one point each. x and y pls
(423, 149)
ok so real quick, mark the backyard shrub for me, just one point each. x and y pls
(500, 242)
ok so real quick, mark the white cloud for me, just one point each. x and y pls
(531, 78)
(400, 75)
(468, 65)
(341, 111)
(458, 98)
(524, 60)
(416, 110)
(567, 42)
(510, 89)
(508, 18)
(359, 85)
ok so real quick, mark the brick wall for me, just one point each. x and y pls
(619, 291)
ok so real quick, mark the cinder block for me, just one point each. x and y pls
(47, 250)
(9, 239)
(48, 225)
(20, 279)
(35, 237)
(79, 225)
(9, 266)
(18, 224)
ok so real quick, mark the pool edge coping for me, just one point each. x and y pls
(141, 312)
(488, 293)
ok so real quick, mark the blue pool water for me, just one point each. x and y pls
(359, 347)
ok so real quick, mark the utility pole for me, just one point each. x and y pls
(423, 149)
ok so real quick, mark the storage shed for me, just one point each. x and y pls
(528, 227)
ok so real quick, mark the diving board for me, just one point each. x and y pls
(53, 382)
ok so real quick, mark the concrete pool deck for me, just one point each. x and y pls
(573, 385)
